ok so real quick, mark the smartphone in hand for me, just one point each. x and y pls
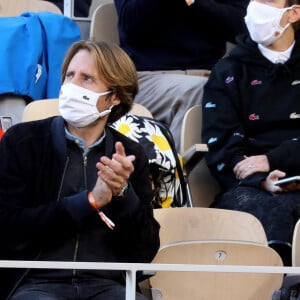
(287, 180)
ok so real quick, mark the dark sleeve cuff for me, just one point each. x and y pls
(78, 206)
(254, 180)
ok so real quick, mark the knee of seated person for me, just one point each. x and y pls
(194, 89)
(197, 80)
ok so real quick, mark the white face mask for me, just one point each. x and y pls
(263, 22)
(78, 106)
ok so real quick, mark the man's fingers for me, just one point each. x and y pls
(120, 149)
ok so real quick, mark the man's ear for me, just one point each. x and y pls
(114, 99)
(294, 14)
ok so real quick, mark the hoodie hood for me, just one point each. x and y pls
(247, 52)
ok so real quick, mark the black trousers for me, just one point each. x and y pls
(277, 213)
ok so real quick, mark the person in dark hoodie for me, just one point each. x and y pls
(251, 121)
(74, 189)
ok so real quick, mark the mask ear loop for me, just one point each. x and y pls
(110, 93)
(106, 112)
(286, 9)
(283, 11)
(295, 15)
(110, 108)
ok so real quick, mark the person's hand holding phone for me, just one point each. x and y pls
(276, 183)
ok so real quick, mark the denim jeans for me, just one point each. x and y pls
(95, 289)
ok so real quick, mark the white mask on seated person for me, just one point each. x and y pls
(263, 22)
(78, 106)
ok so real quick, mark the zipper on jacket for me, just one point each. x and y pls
(78, 235)
(75, 253)
(84, 169)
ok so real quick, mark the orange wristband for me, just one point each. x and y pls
(110, 224)
(92, 201)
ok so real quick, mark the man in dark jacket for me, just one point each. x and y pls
(74, 189)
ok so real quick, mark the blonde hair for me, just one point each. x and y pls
(114, 67)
